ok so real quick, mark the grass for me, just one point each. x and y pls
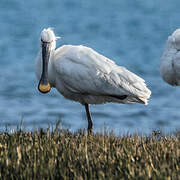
(61, 154)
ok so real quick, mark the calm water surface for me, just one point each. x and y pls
(132, 33)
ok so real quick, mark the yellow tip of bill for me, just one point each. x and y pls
(44, 88)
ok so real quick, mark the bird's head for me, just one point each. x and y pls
(175, 39)
(48, 36)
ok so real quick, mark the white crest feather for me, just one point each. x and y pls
(47, 35)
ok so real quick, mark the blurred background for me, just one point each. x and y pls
(132, 33)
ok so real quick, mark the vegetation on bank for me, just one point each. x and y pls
(61, 154)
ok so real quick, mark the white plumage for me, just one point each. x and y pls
(81, 74)
(170, 60)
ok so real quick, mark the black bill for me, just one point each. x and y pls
(44, 86)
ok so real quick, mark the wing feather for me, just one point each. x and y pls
(86, 71)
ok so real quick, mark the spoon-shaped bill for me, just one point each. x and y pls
(44, 86)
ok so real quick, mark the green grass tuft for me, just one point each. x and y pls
(61, 154)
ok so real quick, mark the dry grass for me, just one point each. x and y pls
(64, 155)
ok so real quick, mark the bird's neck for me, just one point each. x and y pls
(51, 68)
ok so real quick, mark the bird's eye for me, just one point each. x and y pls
(42, 41)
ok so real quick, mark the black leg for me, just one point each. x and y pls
(90, 124)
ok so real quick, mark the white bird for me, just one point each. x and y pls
(170, 60)
(81, 74)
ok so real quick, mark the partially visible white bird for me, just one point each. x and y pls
(170, 60)
(81, 74)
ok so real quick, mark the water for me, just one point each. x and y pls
(132, 33)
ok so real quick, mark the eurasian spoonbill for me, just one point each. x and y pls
(81, 74)
(170, 60)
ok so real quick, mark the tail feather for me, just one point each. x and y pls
(143, 100)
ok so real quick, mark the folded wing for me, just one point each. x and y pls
(85, 71)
